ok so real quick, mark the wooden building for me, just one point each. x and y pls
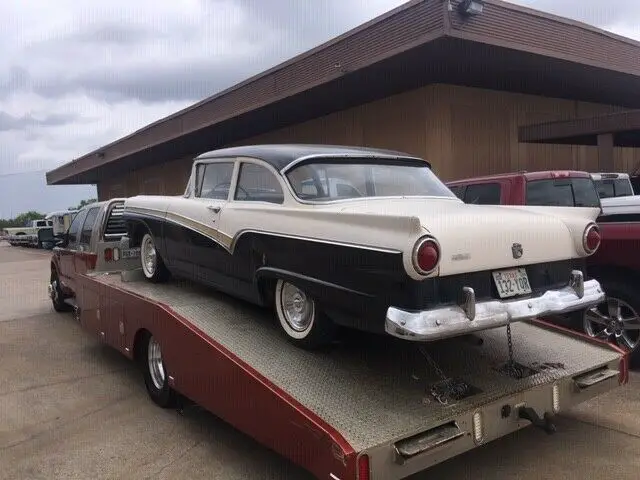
(428, 78)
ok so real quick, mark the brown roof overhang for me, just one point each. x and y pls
(623, 126)
(507, 47)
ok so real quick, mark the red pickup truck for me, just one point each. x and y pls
(616, 264)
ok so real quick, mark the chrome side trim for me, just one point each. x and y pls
(387, 156)
(454, 320)
(159, 215)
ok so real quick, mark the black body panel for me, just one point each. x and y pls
(353, 285)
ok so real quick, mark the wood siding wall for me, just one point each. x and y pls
(462, 131)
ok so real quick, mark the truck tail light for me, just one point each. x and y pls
(591, 238)
(426, 255)
(363, 467)
(108, 254)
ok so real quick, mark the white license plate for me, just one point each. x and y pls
(512, 282)
(131, 253)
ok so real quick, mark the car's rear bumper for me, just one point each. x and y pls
(471, 316)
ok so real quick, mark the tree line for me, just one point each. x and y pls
(22, 219)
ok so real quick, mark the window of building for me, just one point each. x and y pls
(258, 184)
(87, 228)
(483, 194)
(214, 180)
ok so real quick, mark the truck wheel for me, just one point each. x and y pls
(156, 378)
(303, 323)
(152, 265)
(617, 318)
(55, 292)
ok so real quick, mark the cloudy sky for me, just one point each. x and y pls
(76, 75)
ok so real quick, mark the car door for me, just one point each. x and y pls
(66, 253)
(192, 225)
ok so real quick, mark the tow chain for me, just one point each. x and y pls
(447, 388)
(512, 368)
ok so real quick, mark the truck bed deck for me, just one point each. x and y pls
(374, 390)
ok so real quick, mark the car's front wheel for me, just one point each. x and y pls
(303, 323)
(55, 292)
(152, 265)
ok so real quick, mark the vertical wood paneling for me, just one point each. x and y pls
(461, 131)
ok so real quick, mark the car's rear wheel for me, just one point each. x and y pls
(152, 265)
(300, 318)
(156, 378)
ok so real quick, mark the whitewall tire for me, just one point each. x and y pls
(300, 319)
(152, 265)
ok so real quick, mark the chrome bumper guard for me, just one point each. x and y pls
(471, 316)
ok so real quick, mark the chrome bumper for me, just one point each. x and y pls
(469, 316)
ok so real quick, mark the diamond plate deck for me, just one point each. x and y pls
(372, 391)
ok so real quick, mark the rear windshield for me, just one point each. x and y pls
(614, 188)
(563, 192)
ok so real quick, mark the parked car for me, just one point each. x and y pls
(611, 185)
(616, 264)
(398, 250)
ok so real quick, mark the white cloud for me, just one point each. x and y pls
(109, 68)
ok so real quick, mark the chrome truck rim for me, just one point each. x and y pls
(154, 359)
(615, 319)
(298, 309)
(148, 254)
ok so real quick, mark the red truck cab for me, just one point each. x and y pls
(616, 264)
(566, 188)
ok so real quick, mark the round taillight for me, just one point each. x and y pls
(591, 238)
(426, 256)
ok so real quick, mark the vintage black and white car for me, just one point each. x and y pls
(364, 238)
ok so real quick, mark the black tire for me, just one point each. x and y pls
(163, 396)
(57, 298)
(159, 272)
(628, 293)
(321, 330)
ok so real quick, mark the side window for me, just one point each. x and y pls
(74, 229)
(215, 180)
(257, 184)
(87, 228)
(483, 194)
(458, 191)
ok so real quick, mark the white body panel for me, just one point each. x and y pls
(472, 237)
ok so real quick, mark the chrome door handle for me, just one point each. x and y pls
(213, 209)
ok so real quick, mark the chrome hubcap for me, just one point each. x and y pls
(148, 256)
(615, 319)
(298, 309)
(154, 359)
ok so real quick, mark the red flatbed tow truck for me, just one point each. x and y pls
(372, 408)
(361, 411)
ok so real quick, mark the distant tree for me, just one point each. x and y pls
(84, 203)
(21, 220)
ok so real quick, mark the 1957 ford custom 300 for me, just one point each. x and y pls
(364, 238)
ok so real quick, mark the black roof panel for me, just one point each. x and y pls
(281, 155)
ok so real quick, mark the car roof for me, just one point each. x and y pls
(280, 156)
(537, 175)
(609, 176)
